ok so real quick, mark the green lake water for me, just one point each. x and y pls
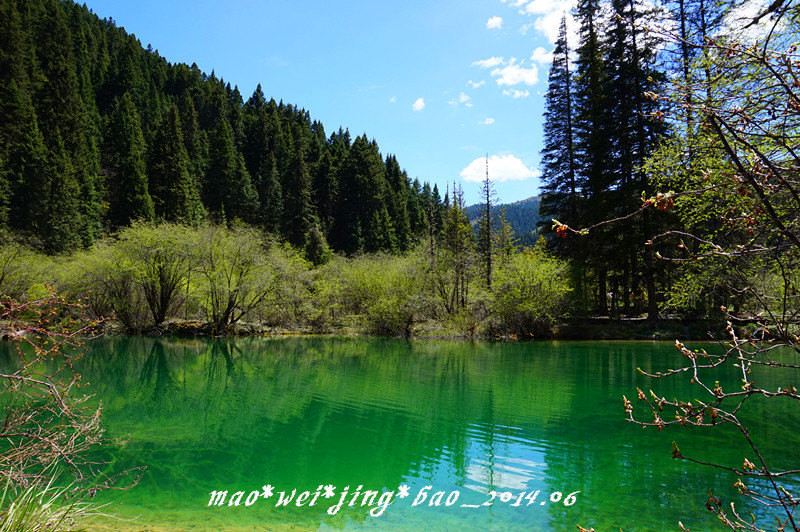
(302, 413)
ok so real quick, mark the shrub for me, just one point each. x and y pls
(530, 292)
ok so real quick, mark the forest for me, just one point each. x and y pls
(145, 197)
(103, 142)
(109, 151)
(98, 132)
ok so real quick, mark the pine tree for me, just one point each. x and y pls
(227, 182)
(397, 202)
(57, 224)
(21, 142)
(485, 227)
(561, 190)
(270, 197)
(298, 213)
(591, 140)
(635, 133)
(505, 241)
(458, 246)
(67, 135)
(125, 153)
(326, 190)
(362, 193)
(5, 195)
(174, 192)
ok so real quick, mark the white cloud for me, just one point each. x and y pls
(419, 105)
(501, 168)
(489, 63)
(476, 85)
(516, 94)
(462, 98)
(542, 56)
(393, 99)
(514, 74)
(494, 23)
(510, 72)
(737, 22)
(546, 16)
(539, 7)
(488, 121)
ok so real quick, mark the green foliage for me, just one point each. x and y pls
(236, 275)
(20, 269)
(227, 184)
(107, 280)
(174, 192)
(383, 292)
(82, 105)
(530, 293)
(125, 152)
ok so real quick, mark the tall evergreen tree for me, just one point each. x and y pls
(298, 213)
(561, 190)
(174, 192)
(125, 154)
(67, 135)
(227, 184)
(634, 134)
(591, 138)
(397, 202)
(326, 190)
(486, 227)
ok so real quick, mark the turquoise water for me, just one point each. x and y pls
(484, 425)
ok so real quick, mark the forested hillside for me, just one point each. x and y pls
(522, 216)
(97, 131)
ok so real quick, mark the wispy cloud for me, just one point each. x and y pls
(474, 85)
(501, 168)
(489, 63)
(514, 73)
(494, 23)
(516, 94)
(393, 99)
(419, 104)
(509, 72)
(487, 121)
(463, 98)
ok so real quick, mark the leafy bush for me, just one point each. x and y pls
(530, 292)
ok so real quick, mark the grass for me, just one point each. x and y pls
(43, 507)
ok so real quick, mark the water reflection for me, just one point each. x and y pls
(303, 412)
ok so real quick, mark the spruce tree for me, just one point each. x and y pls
(397, 202)
(561, 189)
(298, 213)
(326, 190)
(174, 192)
(67, 135)
(485, 234)
(227, 183)
(5, 188)
(270, 197)
(591, 140)
(634, 132)
(125, 154)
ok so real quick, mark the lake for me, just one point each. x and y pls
(319, 433)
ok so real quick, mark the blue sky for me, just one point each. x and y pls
(437, 83)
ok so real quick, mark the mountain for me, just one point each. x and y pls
(523, 216)
(98, 132)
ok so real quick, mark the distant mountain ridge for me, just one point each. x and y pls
(522, 215)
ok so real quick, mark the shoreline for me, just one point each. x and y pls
(586, 328)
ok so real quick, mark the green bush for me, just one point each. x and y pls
(530, 292)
